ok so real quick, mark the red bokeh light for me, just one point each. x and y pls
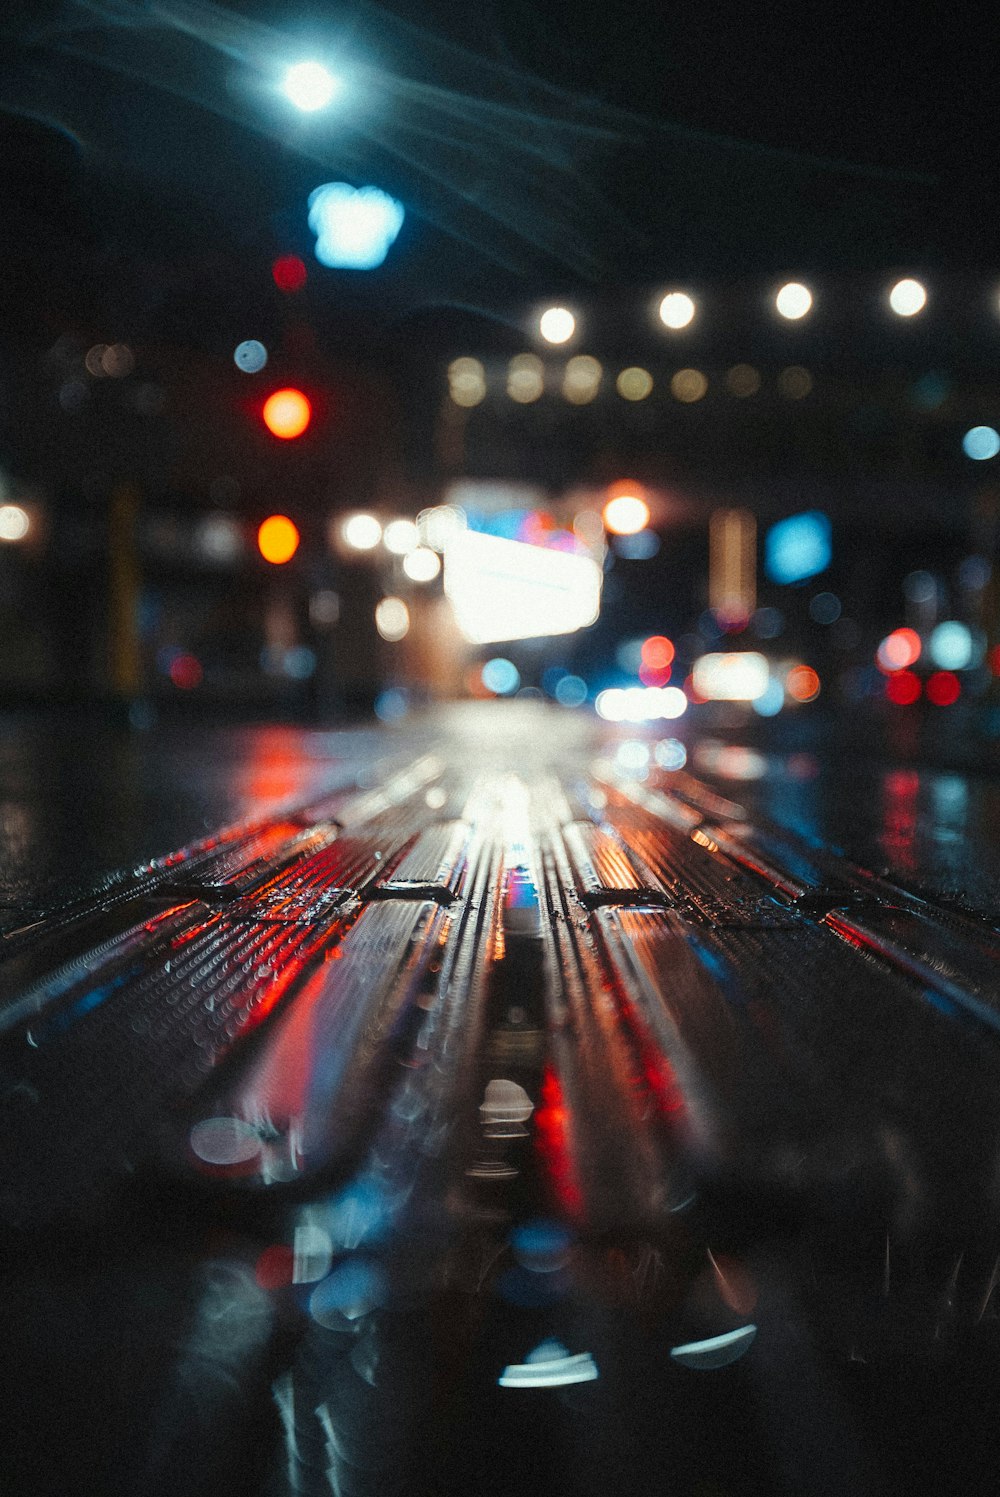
(943, 688)
(994, 660)
(898, 650)
(275, 1266)
(903, 688)
(186, 672)
(287, 413)
(802, 684)
(654, 675)
(289, 273)
(657, 652)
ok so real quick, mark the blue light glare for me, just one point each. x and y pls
(250, 356)
(501, 676)
(981, 443)
(950, 645)
(391, 705)
(571, 691)
(798, 547)
(770, 703)
(355, 227)
(639, 547)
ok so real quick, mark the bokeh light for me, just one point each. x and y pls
(422, 565)
(981, 443)
(634, 383)
(899, 650)
(907, 297)
(400, 537)
(277, 539)
(802, 683)
(287, 414)
(571, 691)
(360, 532)
(500, 676)
(742, 380)
(795, 383)
(355, 227)
(289, 273)
(903, 688)
(688, 385)
(793, 300)
(677, 310)
(392, 619)
(582, 379)
(626, 514)
(657, 652)
(943, 688)
(525, 378)
(309, 86)
(466, 382)
(185, 672)
(15, 523)
(950, 645)
(557, 325)
(250, 356)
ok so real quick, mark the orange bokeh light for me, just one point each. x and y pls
(898, 651)
(626, 511)
(287, 413)
(802, 683)
(277, 539)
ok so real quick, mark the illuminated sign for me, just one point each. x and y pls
(503, 589)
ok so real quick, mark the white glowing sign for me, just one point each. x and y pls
(741, 676)
(354, 226)
(501, 589)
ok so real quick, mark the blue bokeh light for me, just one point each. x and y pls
(501, 676)
(798, 547)
(571, 691)
(981, 443)
(250, 356)
(355, 227)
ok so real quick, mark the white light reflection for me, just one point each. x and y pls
(740, 676)
(550, 1365)
(716, 1351)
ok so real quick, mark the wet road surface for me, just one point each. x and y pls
(483, 1104)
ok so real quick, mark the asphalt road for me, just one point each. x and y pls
(491, 1101)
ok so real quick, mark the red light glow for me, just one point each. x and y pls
(186, 672)
(943, 688)
(802, 684)
(287, 413)
(903, 688)
(898, 651)
(289, 273)
(657, 652)
(654, 675)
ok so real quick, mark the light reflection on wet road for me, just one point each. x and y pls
(490, 1107)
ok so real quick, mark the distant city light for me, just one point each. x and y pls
(795, 383)
(438, 524)
(557, 325)
(466, 382)
(401, 537)
(287, 413)
(525, 378)
(802, 683)
(657, 651)
(688, 385)
(771, 700)
(903, 688)
(571, 691)
(500, 676)
(503, 589)
(392, 619)
(640, 704)
(793, 300)
(582, 379)
(250, 356)
(422, 565)
(361, 532)
(289, 273)
(907, 297)
(742, 380)
(277, 539)
(634, 383)
(15, 522)
(798, 547)
(981, 443)
(943, 688)
(309, 86)
(950, 645)
(899, 650)
(740, 676)
(355, 227)
(677, 309)
(625, 514)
